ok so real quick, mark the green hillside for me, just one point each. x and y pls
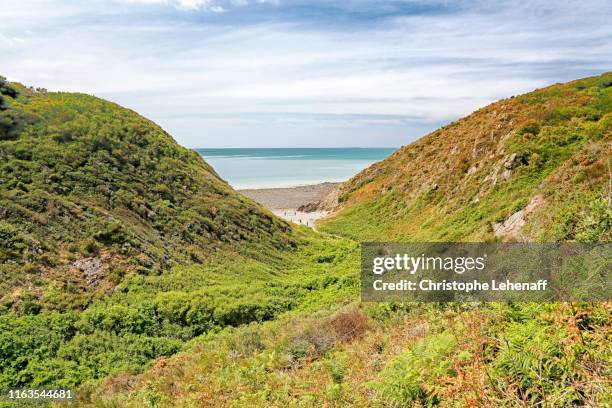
(117, 245)
(531, 167)
(91, 192)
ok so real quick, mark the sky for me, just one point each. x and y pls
(280, 73)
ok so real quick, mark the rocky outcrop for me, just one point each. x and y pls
(310, 207)
(510, 228)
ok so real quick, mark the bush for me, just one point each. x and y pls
(12, 242)
(7, 89)
(112, 233)
(90, 247)
(249, 341)
(312, 340)
(28, 341)
(27, 304)
(314, 337)
(349, 324)
(520, 204)
(531, 127)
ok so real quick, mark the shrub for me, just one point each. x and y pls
(312, 340)
(314, 337)
(12, 242)
(531, 127)
(7, 89)
(349, 324)
(596, 223)
(90, 247)
(248, 341)
(520, 204)
(605, 84)
(112, 233)
(27, 304)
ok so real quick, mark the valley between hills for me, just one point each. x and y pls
(132, 273)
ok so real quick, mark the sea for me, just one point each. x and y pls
(287, 167)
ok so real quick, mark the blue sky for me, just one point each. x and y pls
(266, 73)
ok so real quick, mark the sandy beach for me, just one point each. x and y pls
(291, 203)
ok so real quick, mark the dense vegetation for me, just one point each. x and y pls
(151, 316)
(388, 355)
(131, 271)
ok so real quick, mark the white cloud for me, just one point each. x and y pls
(183, 4)
(191, 4)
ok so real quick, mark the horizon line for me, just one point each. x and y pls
(303, 147)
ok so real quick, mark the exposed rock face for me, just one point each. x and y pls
(310, 207)
(91, 268)
(510, 228)
(510, 161)
(328, 203)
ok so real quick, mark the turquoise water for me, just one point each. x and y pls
(283, 167)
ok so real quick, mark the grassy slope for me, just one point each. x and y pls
(118, 245)
(459, 181)
(460, 355)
